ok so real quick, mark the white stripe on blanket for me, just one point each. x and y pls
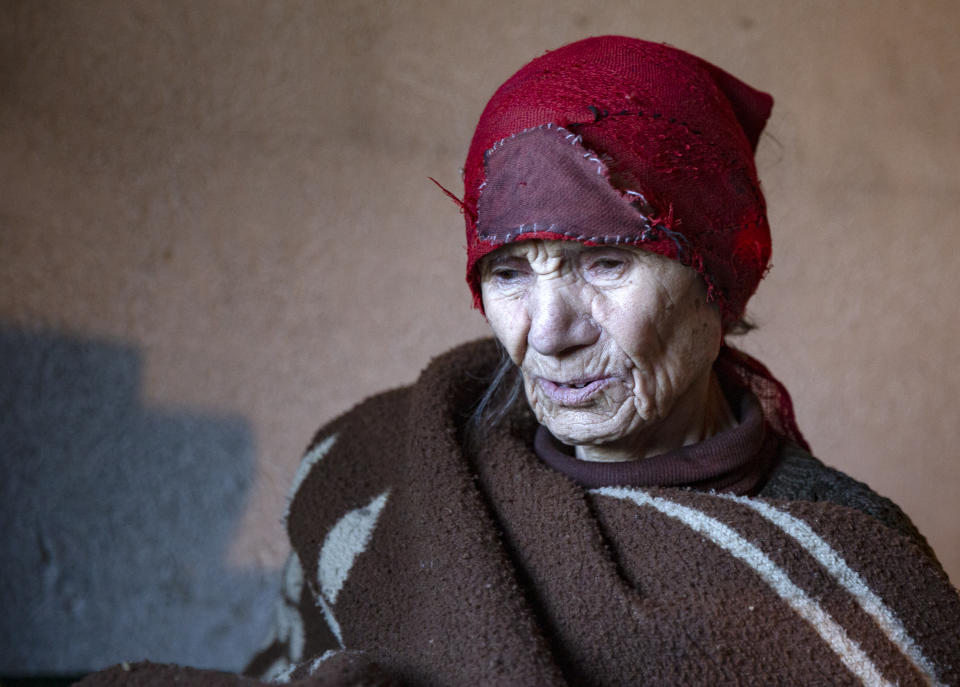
(344, 542)
(293, 579)
(331, 620)
(846, 649)
(325, 656)
(849, 579)
(312, 457)
(278, 672)
(288, 629)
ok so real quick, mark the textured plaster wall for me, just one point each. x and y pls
(216, 232)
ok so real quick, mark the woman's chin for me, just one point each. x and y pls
(585, 429)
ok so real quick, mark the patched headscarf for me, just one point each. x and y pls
(615, 140)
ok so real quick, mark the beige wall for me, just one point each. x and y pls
(238, 192)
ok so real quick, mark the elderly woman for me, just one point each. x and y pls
(610, 494)
(650, 513)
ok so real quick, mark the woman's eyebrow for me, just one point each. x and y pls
(502, 259)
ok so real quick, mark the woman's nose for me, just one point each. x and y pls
(559, 321)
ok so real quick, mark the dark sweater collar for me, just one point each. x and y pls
(736, 460)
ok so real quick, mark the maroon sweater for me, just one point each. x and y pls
(737, 460)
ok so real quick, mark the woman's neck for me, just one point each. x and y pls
(702, 412)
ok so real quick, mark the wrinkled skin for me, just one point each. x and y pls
(615, 344)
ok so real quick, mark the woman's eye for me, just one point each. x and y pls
(606, 267)
(506, 275)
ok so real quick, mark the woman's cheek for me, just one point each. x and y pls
(507, 320)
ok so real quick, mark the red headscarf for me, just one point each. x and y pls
(662, 124)
(618, 140)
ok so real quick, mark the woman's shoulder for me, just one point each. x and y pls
(449, 383)
(800, 476)
(381, 442)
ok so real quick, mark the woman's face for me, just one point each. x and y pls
(610, 340)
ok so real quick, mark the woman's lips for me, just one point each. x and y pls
(573, 393)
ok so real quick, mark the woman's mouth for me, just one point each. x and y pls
(573, 392)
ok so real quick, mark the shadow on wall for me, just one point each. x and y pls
(116, 518)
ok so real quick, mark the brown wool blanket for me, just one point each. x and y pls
(416, 562)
